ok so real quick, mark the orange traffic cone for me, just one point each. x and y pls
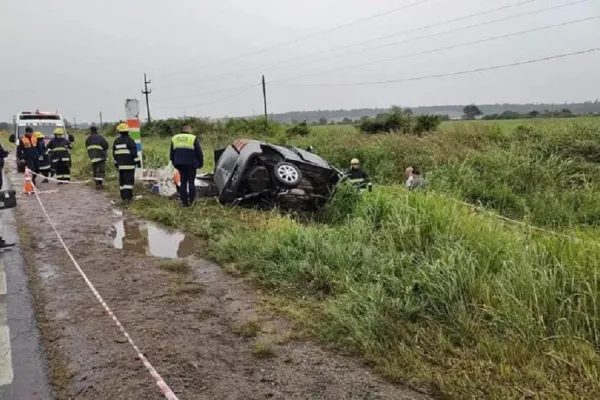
(27, 185)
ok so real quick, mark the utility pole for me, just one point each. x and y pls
(101, 126)
(75, 122)
(14, 123)
(147, 92)
(264, 87)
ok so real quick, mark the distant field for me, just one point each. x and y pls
(466, 306)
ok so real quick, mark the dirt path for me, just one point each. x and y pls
(187, 322)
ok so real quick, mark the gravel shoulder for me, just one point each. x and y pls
(199, 327)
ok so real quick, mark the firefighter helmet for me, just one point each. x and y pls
(123, 127)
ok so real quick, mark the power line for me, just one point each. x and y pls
(428, 36)
(436, 50)
(303, 38)
(269, 67)
(411, 40)
(247, 89)
(465, 72)
(206, 93)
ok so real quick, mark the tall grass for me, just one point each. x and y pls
(463, 305)
(412, 282)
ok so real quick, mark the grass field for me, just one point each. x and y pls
(465, 306)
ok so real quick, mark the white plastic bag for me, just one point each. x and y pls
(166, 186)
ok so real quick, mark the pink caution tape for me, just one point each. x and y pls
(164, 388)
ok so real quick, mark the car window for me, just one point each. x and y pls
(47, 130)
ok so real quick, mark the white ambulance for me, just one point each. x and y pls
(39, 121)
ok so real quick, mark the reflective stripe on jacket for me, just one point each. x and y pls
(59, 150)
(43, 157)
(28, 148)
(125, 152)
(96, 147)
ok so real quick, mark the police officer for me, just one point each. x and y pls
(28, 152)
(59, 150)
(126, 159)
(43, 158)
(186, 155)
(97, 147)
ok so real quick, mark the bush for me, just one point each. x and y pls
(301, 129)
(172, 126)
(426, 123)
(394, 121)
(252, 128)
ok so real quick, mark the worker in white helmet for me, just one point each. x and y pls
(356, 172)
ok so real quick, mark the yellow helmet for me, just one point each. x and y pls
(123, 127)
(38, 135)
(59, 131)
(354, 161)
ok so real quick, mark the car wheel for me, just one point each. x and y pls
(287, 174)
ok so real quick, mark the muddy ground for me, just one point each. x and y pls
(191, 324)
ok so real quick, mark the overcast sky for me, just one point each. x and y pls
(84, 56)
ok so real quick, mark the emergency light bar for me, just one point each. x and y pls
(38, 112)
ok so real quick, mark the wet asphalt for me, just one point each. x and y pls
(23, 365)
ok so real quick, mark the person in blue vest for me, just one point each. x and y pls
(186, 156)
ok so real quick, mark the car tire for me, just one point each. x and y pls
(287, 174)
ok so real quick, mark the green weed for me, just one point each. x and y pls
(248, 329)
(466, 306)
(263, 349)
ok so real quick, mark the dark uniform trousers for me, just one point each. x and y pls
(63, 170)
(60, 158)
(99, 169)
(34, 166)
(187, 188)
(126, 182)
(126, 159)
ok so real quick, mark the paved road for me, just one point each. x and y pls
(23, 370)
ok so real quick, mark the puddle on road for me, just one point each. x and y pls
(149, 239)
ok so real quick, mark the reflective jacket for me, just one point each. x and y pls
(125, 153)
(27, 149)
(43, 157)
(59, 150)
(186, 151)
(96, 147)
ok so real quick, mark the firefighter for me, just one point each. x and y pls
(97, 147)
(59, 149)
(126, 159)
(186, 156)
(28, 152)
(43, 157)
(356, 172)
(3, 154)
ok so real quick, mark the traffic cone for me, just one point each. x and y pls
(27, 185)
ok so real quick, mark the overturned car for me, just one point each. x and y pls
(259, 174)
